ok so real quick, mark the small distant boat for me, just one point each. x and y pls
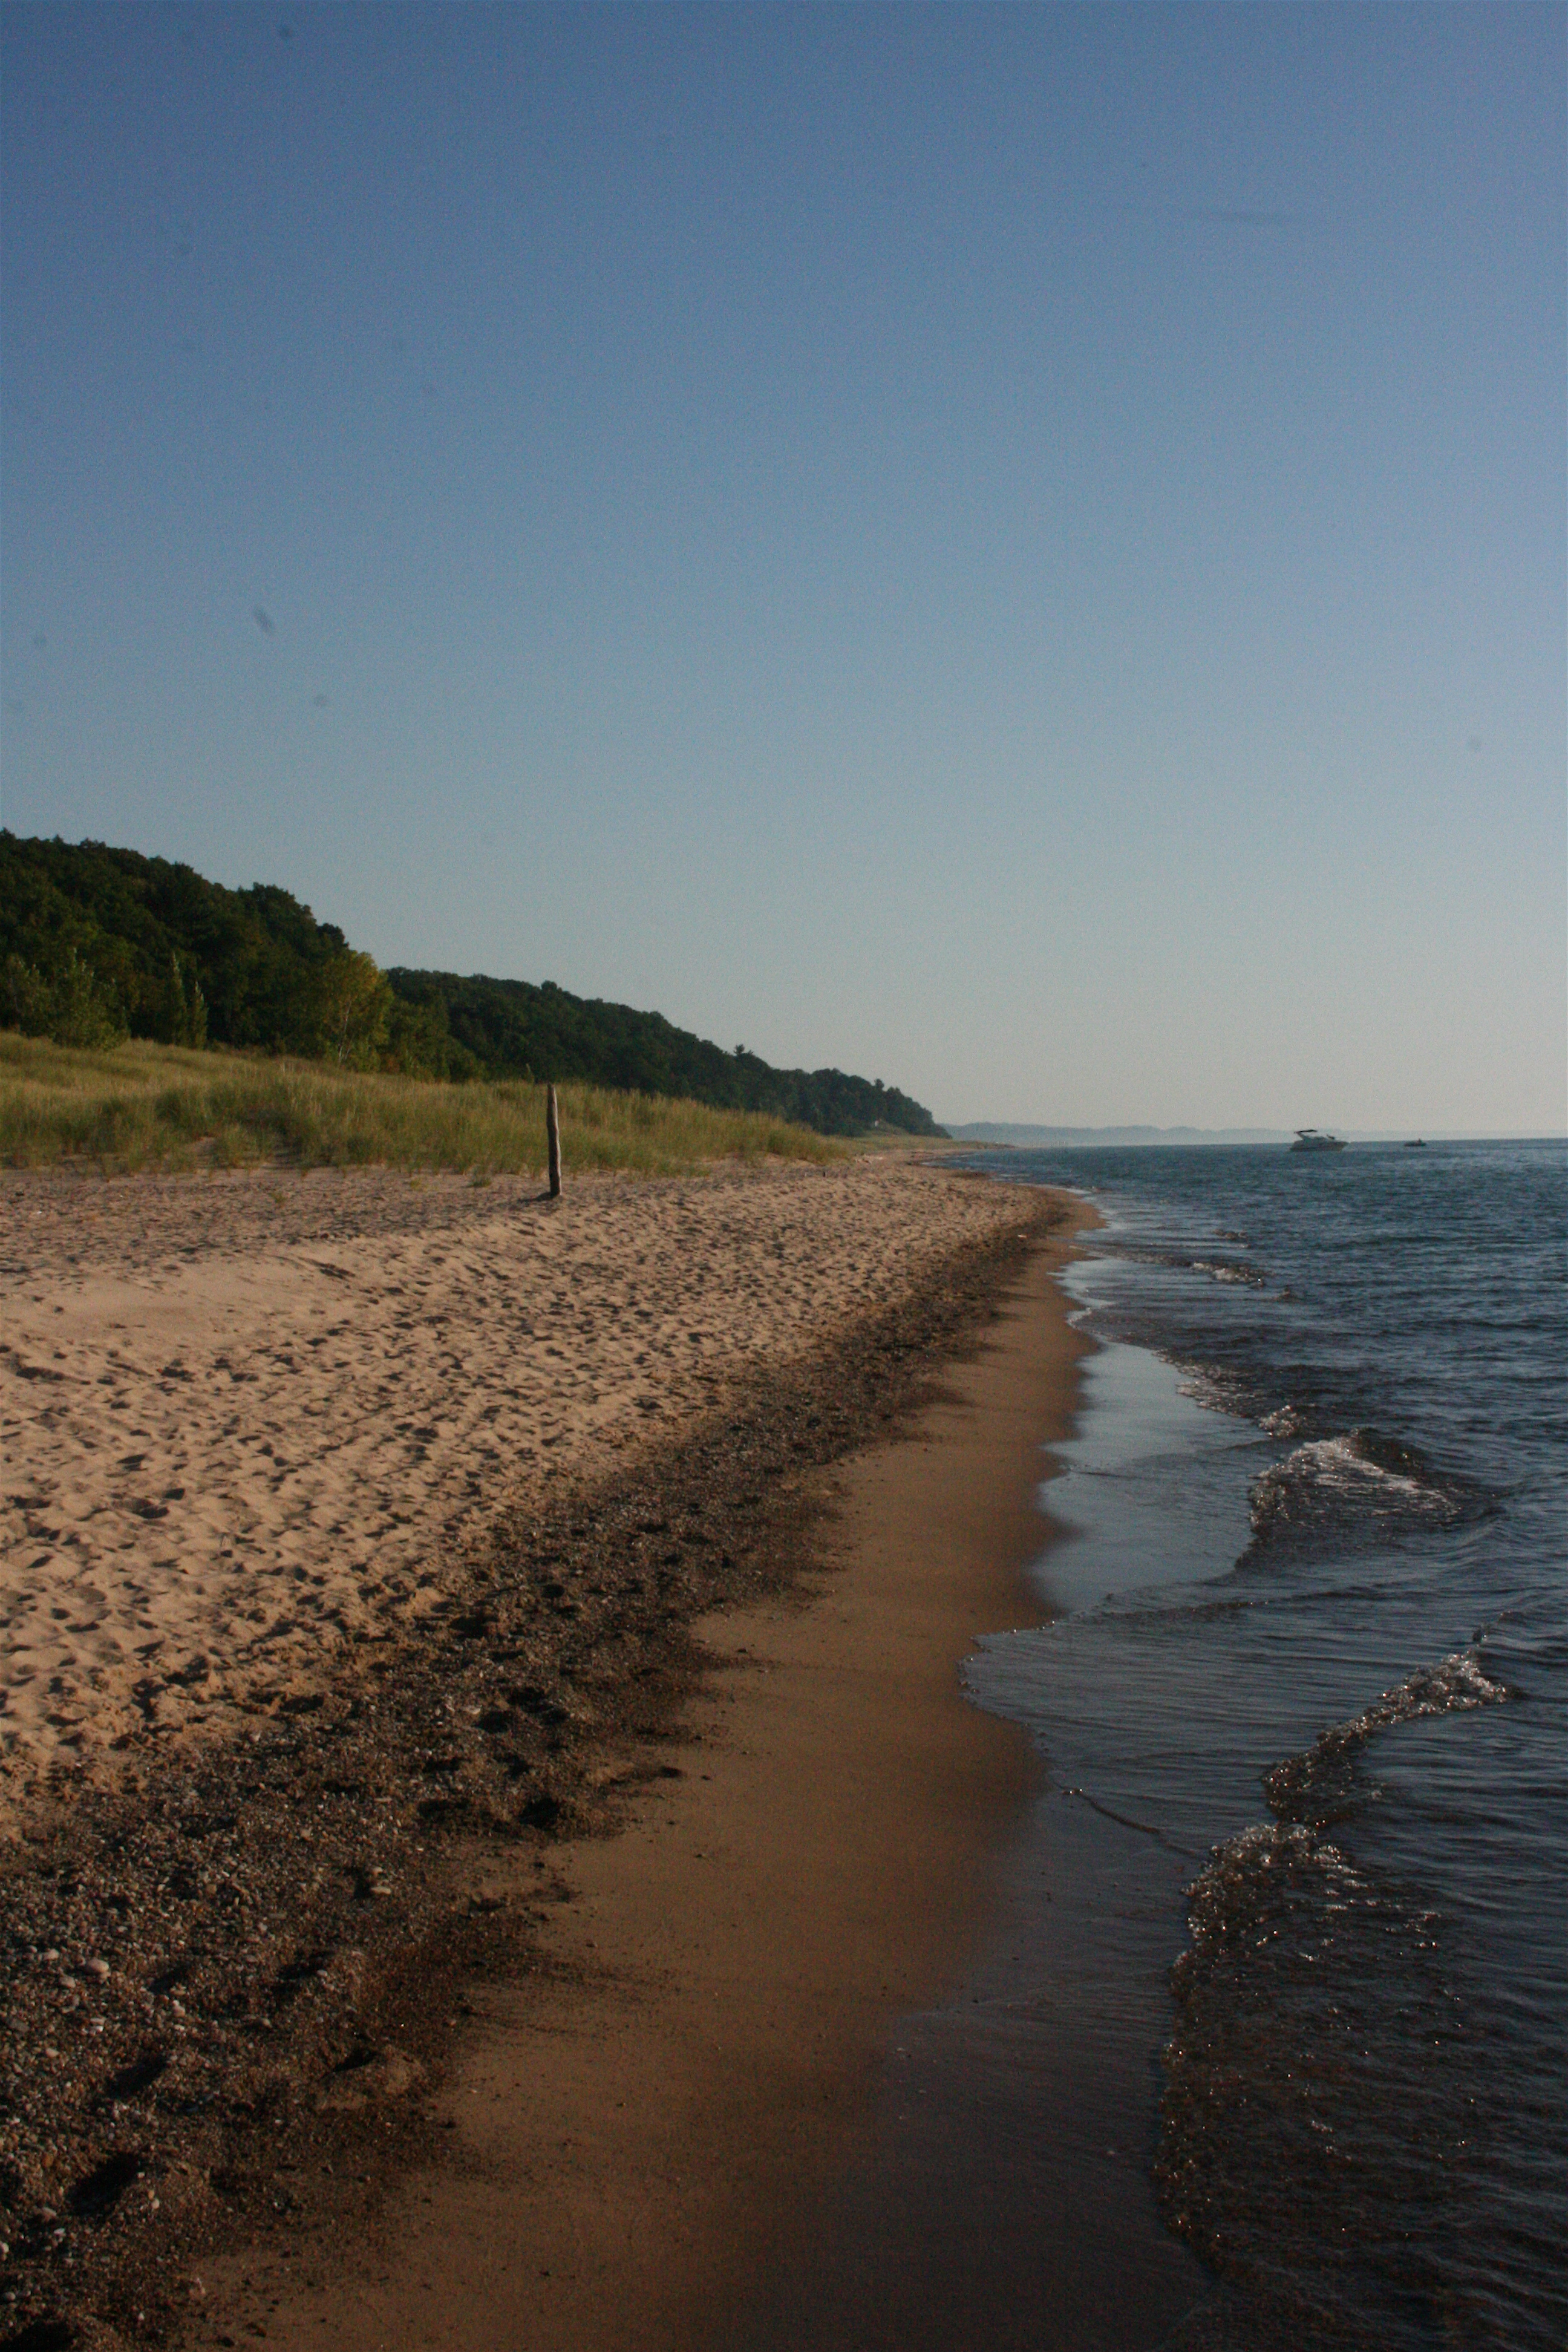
(1417, 1143)
(1312, 1139)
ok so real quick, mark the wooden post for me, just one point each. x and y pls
(552, 1129)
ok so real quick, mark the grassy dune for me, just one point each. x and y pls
(141, 1105)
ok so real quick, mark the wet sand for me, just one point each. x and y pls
(636, 2139)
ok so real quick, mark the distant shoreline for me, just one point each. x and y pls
(1001, 1136)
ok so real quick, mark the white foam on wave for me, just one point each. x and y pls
(1456, 1684)
(1265, 1857)
(1338, 1462)
(1218, 1270)
(1228, 1391)
(1284, 1422)
(1215, 1390)
(1344, 1471)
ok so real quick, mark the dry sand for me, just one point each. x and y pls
(248, 1419)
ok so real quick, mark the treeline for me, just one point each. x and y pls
(512, 1028)
(97, 944)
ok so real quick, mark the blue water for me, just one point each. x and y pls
(1270, 2045)
(1315, 1652)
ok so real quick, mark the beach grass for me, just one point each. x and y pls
(144, 1106)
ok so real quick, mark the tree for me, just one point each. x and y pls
(355, 1002)
(71, 1005)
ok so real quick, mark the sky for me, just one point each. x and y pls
(1015, 550)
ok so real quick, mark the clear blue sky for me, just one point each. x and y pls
(1019, 551)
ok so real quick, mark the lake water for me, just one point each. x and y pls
(1271, 2048)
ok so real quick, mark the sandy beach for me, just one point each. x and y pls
(373, 1552)
(249, 1421)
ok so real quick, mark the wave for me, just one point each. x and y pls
(1325, 2070)
(1358, 1480)
(1313, 2085)
(1230, 1270)
(1316, 1787)
(1221, 1389)
(1218, 1269)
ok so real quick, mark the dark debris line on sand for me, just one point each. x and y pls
(227, 1999)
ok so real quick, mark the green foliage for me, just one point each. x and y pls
(98, 942)
(185, 960)
(68, 1003)
(179, 1014)
(514, 1029)
(355, 1003)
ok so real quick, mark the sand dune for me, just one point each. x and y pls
(248, 1419)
